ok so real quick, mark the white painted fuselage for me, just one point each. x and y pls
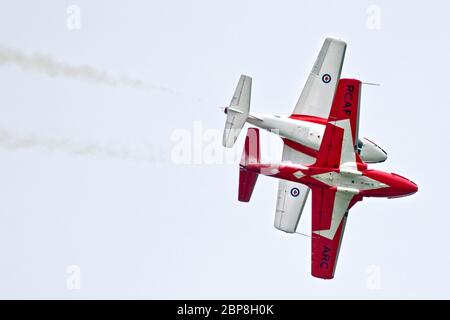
(310, 134)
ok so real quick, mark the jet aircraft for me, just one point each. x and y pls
(322, 152)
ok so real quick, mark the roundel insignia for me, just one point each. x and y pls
(295, 192)
(326, 78)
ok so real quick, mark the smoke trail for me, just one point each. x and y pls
(53, 68)
(148, 153)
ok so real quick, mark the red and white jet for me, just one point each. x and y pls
(302, 131)
(329, 161)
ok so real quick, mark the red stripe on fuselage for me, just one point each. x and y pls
(300, 148)
(303, 117)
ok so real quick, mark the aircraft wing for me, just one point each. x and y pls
(346, 105)
(330, 205)
(338, 148)
(341, 133)
(318, 92)
(291, 195)
(329, 214)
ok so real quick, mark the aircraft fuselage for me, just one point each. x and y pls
(363, 182)
(305, 134)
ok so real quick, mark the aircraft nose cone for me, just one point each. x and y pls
(410, 187)
(382, 155)
(379, 154)
(371, 152)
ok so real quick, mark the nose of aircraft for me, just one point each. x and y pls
(378, 155)
(403, 186)
(409, 187)
(382, 155)
(371, 152)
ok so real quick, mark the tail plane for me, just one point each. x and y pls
(238, 111)
(250, 155)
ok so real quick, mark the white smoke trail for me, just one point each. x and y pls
(13, 141)
(48, 65)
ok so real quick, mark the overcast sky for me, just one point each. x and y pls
(97, 98)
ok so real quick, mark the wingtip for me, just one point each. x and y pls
(245, 76)
(336, 41)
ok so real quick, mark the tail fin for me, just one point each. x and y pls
(237, 112)
(251, 154)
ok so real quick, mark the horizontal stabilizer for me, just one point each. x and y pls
(247, 182)
(251, 154)
(237, 112)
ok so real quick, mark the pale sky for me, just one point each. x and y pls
(87, 178)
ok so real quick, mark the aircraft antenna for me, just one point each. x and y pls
(303, 234)
(371, 84)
